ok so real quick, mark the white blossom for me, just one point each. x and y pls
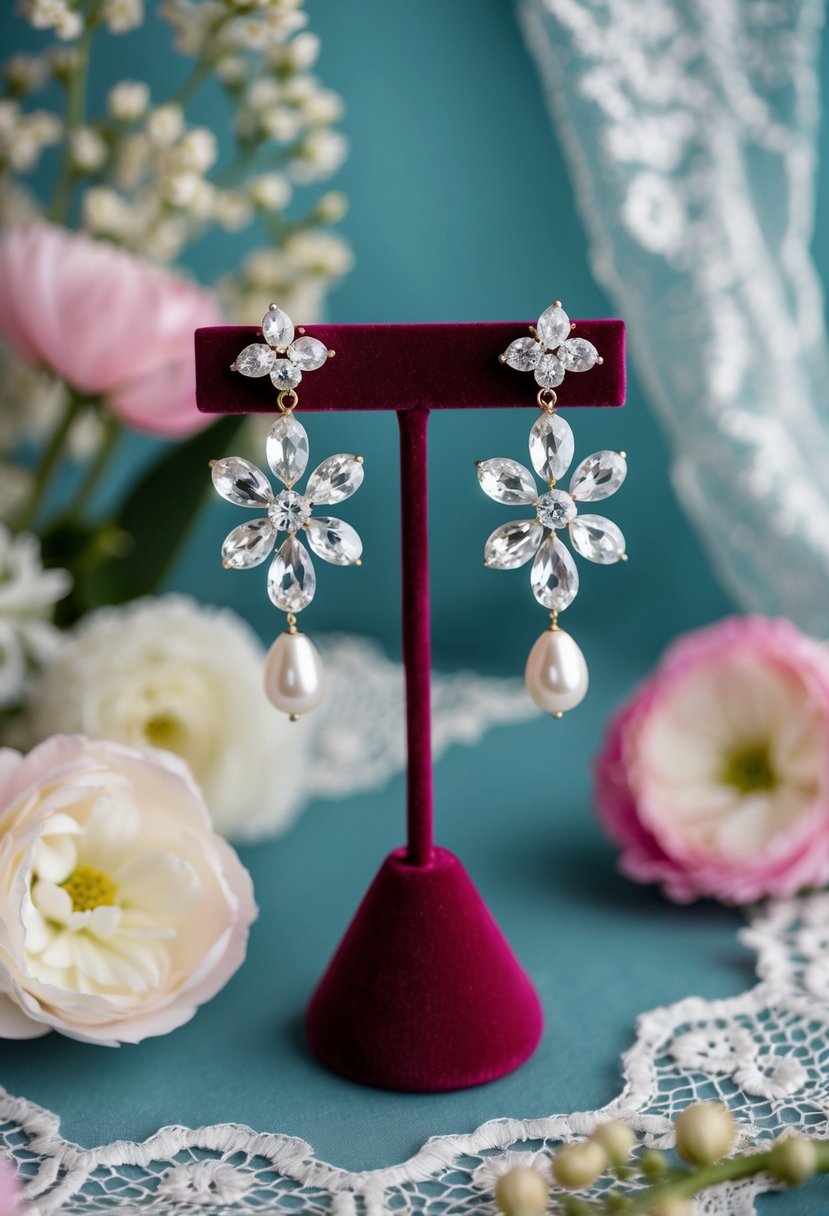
(105, 212)
(331, 207)
(322, 107)
(281, 123)
(263, 92)
(232, 210)
(197, 150)
(174, 674)
(88, 148)
(128, 100)
(301, 52)
(165, 240)
(25, 73)
(133, 159)
(320, 253)
(69, 26)
(121, 16)
(270, 191)
(231, 70)
(28, 595)
(321, 154)
(24, 136)
(165, 125)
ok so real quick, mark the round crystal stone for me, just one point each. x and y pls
(555, 509)
(289, 511)
(285, 374)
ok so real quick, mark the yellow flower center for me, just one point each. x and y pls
(165, 730)
(89, 888)
(750, 769)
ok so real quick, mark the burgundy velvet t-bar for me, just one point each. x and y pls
(424, 993)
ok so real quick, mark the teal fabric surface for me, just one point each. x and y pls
(461, 210)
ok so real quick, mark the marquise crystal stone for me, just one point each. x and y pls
(552, 445)
(308, 353)
(598, 539)
(241, 482)
(285, 374)
(598, 476)
(555, 509)
(577, 355)
(287, 449)
(523, 354)
(513, 544)
(255, 360)
(553, 326)
(334, 540)
(277, 328)
(554, 577)
(248, 545)
(291, 578)
(507, 481)
(549, 372)
(335, 479)
(289, 511)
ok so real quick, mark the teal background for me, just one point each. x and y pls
(460, 210)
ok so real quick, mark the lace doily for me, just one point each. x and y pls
(764, 1053)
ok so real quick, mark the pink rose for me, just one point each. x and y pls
(714, 777)
(106, 323)
(121, 911)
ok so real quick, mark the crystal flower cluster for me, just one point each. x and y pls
(549, 351)
(554, 576)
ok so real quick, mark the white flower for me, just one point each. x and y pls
(171, 673)
(196, 151)
(323, 106)
(121, 16)
(331, 208)
(165, 124)
(232, 71)
(69, 26)
(319, 253)
(270, 191)
(128, 100)
(232, 210)
(321, 154)
(164, 240)
(24, 136)
(28, 594)
(281, 123)
(204, 1183)
(25, 73)
(121, 911)
(53, 14)
(105, 212)
(88, 149)
(301, 52)
(262, 93)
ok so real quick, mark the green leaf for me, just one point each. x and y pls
(155, 518)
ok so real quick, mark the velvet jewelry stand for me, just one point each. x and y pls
(424, 993)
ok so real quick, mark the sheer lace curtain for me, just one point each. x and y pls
(691, 131)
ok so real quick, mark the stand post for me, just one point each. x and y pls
(417, 641)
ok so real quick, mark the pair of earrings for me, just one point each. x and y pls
(556, 672)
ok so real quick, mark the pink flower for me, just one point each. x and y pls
(714, 777)
(121, 911)
(9, 1190)
(106, 323)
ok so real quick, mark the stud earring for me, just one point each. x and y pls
(556, 672)
(294, 678)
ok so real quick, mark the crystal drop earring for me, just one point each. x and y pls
(294, 677)
(556, 671)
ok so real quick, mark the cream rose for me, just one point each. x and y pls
(174, 674)
(121, 911)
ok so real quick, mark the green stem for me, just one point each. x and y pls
(75, 111)
(42, 478)
(693, 1181)
(96, 468)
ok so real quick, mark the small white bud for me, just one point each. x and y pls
(197, 150)
(263, 93)
(302, 51)
(165, 124)
(69, 26)
(576, 1166)
(793, 1160)
(232, 71)
(121, 16)
(270, 191)
(105, 212)
(323, 107)
(232, 210)
(617, 1140)
(128, 100)
(87, 148)
(281, 123)
(332, 207)
(704, 1133)
(179, 189)
(25, 73)
(521, 1192)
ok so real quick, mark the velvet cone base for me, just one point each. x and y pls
(424, 994)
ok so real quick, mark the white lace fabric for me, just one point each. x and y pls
(764, 1053)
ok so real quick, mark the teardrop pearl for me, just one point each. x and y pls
(294, 675)
(556, 673)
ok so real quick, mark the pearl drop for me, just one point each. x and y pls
(294, 676)
(556, 673)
